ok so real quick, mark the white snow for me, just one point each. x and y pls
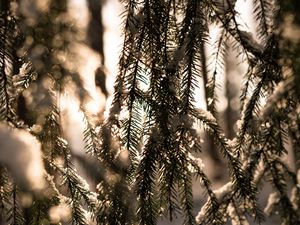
(90, 218)
(206, 114)
(202, 212)
(232, 142)
(197, 161)
(273, 99)
(272, 201)
(222, 191)
(235, 218)
(239, 124)
(259, 171)
(219, 193)
(21, 153)
(51, 187)
(232, 213)
(295, 193)
(295, 198)
(210, 101)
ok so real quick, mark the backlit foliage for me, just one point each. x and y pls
(145, 159)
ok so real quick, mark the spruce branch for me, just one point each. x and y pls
(145, 182)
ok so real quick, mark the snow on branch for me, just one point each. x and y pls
(220, 194)
(21, 153)
(279, 92)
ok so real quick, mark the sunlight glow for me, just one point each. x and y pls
(90, 60)
(112, 39)
(60, 213)
(78, 10)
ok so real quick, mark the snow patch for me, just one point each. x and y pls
(298, 178)
(222, 191)
(295, 198)
(197, 161)
(206, 114)
(220, 194)
(202, 212)
(21, 153)
(236, 219)
(273, 99)
(272, 201)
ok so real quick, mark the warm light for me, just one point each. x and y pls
(21, 153)
(60, 213)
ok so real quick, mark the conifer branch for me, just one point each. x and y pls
(147, 153)
(145, 183)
